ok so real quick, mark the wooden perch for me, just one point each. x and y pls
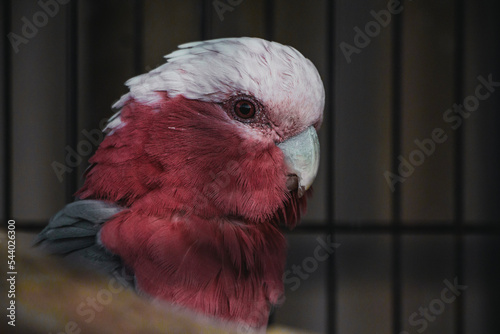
(52, 297)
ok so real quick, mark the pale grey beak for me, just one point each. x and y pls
(302, 159)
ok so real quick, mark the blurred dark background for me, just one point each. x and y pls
(393, 72)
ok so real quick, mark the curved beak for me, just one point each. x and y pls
(302, 159)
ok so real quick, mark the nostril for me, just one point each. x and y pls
(292, 182)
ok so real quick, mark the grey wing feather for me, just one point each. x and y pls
(74, 233)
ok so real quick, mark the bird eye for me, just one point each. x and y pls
(244, 109)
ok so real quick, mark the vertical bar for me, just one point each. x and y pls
(206, 19)
(396, 150)
(481, 179)
(459, 161)
(363, 108)
(269, 19)
(138, 36)
(268, 26)
(330, 163)
(72, 91)
(458, 96)
(269, 33)
(428, 68)
(7, 64)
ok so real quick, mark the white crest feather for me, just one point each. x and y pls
(214, 70)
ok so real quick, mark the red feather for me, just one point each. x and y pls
(204, 205)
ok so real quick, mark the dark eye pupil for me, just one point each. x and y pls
(244, 109)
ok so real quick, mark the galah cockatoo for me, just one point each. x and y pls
(207, 155)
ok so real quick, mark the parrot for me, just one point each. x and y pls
(207, 157)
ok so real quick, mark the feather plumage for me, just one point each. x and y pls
(199, 193)
(73, 232)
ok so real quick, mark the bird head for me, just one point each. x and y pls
(225, 128)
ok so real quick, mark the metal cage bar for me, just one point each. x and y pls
(458, 200)
(71, 91)
(269, 19)
(7, 105)
(396, 150)
(330, 163)
(268, 14)
(138, 36)
(206, 19)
